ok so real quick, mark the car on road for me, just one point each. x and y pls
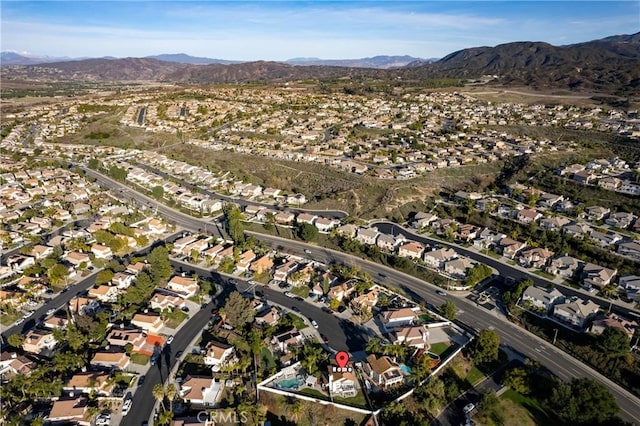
(252, 282)
(103, 419)
(232, 282)
(327, 310)
(289, 294)
(441, 293)
(27, 315)
(324, 338)
(19, 321)
(284, 285)
(307, 251)
(141, 380)
(126, 406)
(299, 299)
(468, 408)
(179, 354)
(169, 339)
(295, 309)
(314, 323)
(51, 311)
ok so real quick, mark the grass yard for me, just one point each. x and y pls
(140, 359)
(267, 360)
(535, 411)
(313, 393)
(544, 274)
(474, 376)
(300, 290)
(175, 318)
(439, 348)
(8, 318)
(357, 401)
(426, 318)
(297, 321)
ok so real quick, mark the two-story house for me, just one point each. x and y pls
(542, 298)
(382, 371)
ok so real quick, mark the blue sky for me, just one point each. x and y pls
(274, 30)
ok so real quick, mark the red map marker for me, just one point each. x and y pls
(342, 358)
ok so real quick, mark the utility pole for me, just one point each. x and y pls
(555, 336)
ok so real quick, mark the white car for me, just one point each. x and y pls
(126, 406)
(314, 323)
(169, 339)
(51, 311)
(28, 314)
(103, 420)
(19, 321)
(468, 408)
(289, 294)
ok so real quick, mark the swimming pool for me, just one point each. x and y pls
(405, 370)
(292, 383)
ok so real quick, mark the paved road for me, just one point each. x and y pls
(337, 214)
(504, 269)
(469, 315)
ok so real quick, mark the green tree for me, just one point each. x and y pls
(518, 380)
(313, 357)
(159, 266)
(118, 173)
(104, 276)
(448, 310)
(158, 394)
(57, 273)
(307, 232)
(614, 342)
(233, 220)
(238, 310)
(157, 192)
(485, 348)
(16, 340)
(476, 274)
(431, 395)
(583, 402)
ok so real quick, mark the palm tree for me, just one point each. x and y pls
(158, 394)
(171, 391)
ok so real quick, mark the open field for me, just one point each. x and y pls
(283, 411)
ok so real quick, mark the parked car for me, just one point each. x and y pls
(441, 293)
(314, 323)
(126, 406)
(51, 311)
(169, 339)
(324, 338)
(179, 354)
(19, 321)
(289, 294)
(295, 309)
(327, 310)
(468, 408)
(307, 251)
(28, 314)
(186, 308)
(141, 380)
(103, 419)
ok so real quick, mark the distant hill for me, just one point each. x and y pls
(183, 58)
(380, 62)
(13, 58)
(611, 64)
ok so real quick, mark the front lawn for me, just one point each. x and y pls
(474, 376)
(439, 348)
(140, 359)
(545, 275)
(174, 318)
(300, 290)
(297, 321)
(267, 361)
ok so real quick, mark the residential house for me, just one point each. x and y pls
(458, 268)
(422, 220)
(218, 354)
(39, 341)
(185, 287)
(398, 318)
(549, 200)
(88, 382)
(383, 371)
(366, 302)
(584, 177)
(198, 247)
(612, 320)
(576, 312)
(367, 235)
(631, 284)
(554, 223)
(261, 265)
(101, 252)
(76, 258)
(411, 249)
(466, 232)
(386, 242)
(542, 298)
(70, 411)
(306, 218)
(630, 249)
(156, 226)
(40, 252)
(325, 225)
(605, 239)
(564, 266)
(437, 258)
(414, 336)
(510, 248)
(342, 291)
(83, 305)
(135, 268)
(348, 230)
(528, 216)
(536, 257)
(181, 243)
(125, 336)
(343, 384)
(12, 364)
(163, 301)
(487, 239)
(283, 341)
(595, 213)
(150, 323)
(104, 293)
(214, 252)
(576, 230)
(284, 217)
(620, 219)
(282, 272)
(201, 391)
(245, 260)
(597, 276)
(268, 317)
(109, 360)
(122, 280)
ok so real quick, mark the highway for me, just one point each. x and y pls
(560, 363)
(504, 269)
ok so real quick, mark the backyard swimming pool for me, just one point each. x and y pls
(405, 370)
(292, 383)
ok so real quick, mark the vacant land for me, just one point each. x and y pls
(287, 411)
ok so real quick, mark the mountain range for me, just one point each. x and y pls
(611, 64)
